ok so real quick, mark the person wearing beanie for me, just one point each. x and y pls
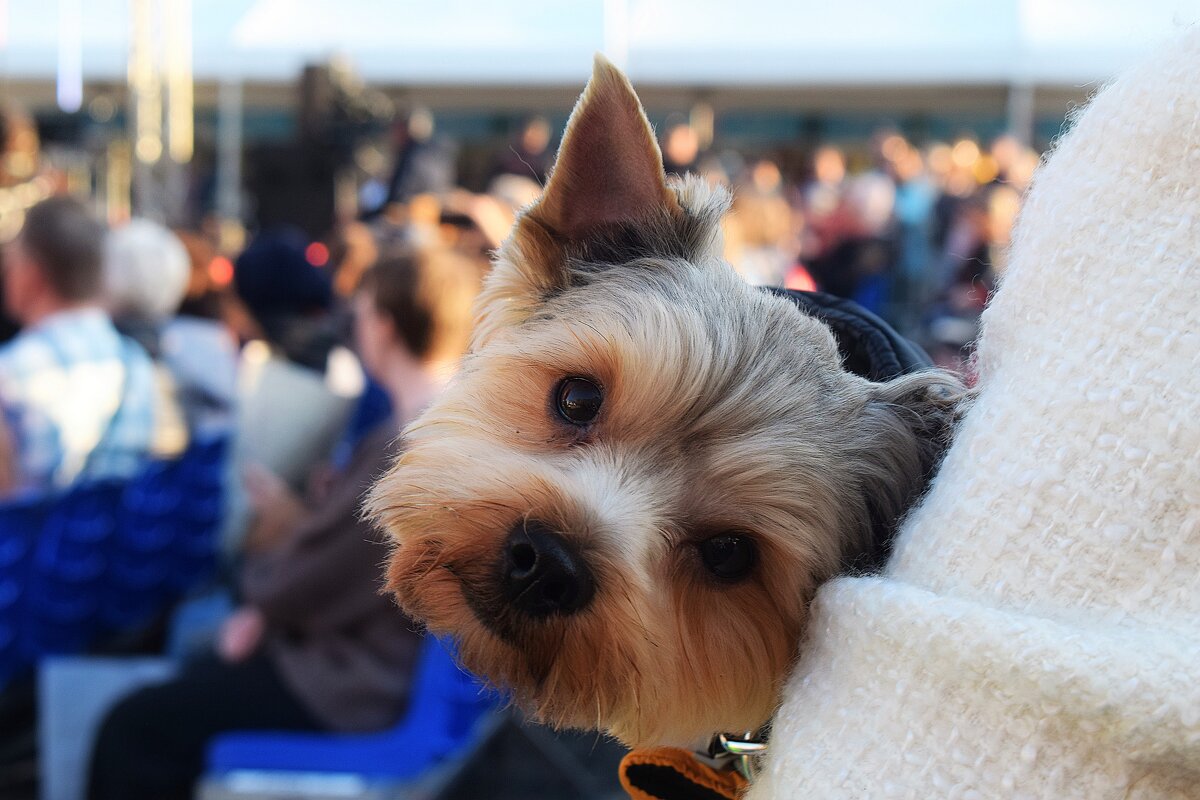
(289, 297)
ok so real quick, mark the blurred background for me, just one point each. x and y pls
(238, 208)
(914, 129)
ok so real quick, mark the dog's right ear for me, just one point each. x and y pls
(609, 169)
(608, 175)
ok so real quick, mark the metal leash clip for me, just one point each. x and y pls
(739, 752)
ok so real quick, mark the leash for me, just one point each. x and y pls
(721, 772)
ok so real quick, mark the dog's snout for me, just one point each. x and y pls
(543, 573)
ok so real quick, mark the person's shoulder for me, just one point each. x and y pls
(25, 354)
(83, 334)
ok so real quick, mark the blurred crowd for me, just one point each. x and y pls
(135, 344)
(915, 232)
(132, 342)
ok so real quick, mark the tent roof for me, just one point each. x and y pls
(690, 42)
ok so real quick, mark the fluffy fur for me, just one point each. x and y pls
(725, 409)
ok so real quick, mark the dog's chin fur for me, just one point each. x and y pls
(724, 409)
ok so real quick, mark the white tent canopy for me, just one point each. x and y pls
(688, 42)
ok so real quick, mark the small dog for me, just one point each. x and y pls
(624, 502)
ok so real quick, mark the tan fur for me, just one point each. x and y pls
(724, 409)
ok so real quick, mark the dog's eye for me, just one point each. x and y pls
(729, 556)
(578, 400)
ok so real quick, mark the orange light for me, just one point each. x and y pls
(220, 271)
(317, 254)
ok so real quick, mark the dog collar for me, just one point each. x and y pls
(723, 771)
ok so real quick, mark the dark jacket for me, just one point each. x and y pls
(344, 649)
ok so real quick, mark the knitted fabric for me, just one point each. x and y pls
(1037, 632)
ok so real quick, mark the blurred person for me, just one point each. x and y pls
(970, 267)
(493, 213)
(764, 220)
(954, 167)
(81, 400)
(424, 164)
(871, 197)
(1015, 162)
(288, 297)
(148, 273)
(1005, 151)
(413, 224)
(476, 224)
(20, 148)
(966, 259)
(297, 382)
(861, 249)
(210, 294)
(912, 284)
(352, 252)
(821, 199)
(315, 647)
(528, 154)
(680, 147)
(712, 168)
(824, 191)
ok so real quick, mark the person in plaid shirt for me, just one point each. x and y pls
(78, 399)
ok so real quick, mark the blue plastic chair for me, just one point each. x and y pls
(166, 541)
(53, 569)
(203, 472)
(105, 557)
(69, 571)
(20, 522)
(444, 713)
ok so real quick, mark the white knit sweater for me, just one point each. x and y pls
(1037, 633)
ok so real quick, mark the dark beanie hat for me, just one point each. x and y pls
(273, 277)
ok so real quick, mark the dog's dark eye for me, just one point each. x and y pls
(578, 400)
(729, 556)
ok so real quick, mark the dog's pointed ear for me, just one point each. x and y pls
(608, 175)
(609, 169)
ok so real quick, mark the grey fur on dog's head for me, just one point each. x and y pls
(724, 409)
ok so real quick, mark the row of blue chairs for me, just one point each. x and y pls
(106, 557)
(447, 715)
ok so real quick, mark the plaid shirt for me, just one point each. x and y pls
(79, 400)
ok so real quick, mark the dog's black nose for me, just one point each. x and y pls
(542, 573)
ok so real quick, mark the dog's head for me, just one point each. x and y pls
(623, 503)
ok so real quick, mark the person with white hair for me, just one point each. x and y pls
(146, 272)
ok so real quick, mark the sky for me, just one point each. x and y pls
(667, 41)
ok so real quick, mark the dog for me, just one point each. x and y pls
(624, 502)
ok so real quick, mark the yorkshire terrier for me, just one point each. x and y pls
(623, 503)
